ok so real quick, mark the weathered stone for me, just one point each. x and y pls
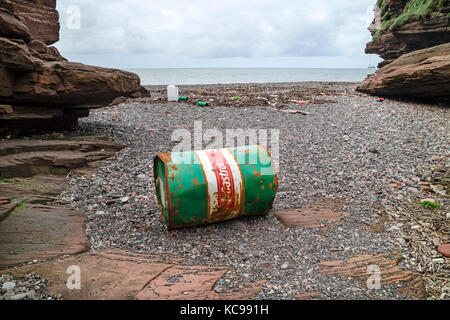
(46, 91)
(118, 100)
(116, 275)
(50, 232)
(410, 37)
(6, 82)
(122, 275)
(5, 109)
(444, 249)
(420, 75)
(414, 46)
(6, 206)
(41, 18)
(308, 295)
(387, 265)
(8, 285)
(26, 158)
(39, 189)
(73, 84)
(11, 26)
(312, 215)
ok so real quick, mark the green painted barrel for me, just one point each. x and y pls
(201, 187)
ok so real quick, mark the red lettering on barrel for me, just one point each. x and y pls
(224, 177)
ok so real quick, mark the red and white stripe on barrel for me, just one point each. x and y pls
(224, 181)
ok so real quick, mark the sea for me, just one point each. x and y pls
(195, 76)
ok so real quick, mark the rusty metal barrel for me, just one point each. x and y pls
(202, 187)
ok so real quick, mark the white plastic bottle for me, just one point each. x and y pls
(172, 93)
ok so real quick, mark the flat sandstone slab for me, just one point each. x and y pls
(39, 232)
(122, 275)
(184, 283)
(359, 267)
(312, 215)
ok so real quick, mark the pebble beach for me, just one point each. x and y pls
(367, 156)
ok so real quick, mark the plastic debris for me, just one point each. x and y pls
(172, 93)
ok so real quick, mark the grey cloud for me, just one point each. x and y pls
(199, 29)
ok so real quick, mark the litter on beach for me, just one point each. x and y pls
(202, 187)
(202, 104)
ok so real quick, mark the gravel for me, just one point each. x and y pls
(351, 150)
(30, 287)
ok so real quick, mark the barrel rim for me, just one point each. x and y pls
(166, 182)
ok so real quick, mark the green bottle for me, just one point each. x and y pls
(183, 98)
(202, 104)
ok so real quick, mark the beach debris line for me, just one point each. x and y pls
(202, 187)
(250, 95)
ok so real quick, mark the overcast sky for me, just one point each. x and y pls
(215, 33)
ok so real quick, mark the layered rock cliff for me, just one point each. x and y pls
(39, 89)
(411, 37)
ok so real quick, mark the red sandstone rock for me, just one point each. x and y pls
(312, 215)
(37, 82)
(422, 74)
(73, 84)
(10, 24)
(51, 232)
(390, 273)
(410, 37)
